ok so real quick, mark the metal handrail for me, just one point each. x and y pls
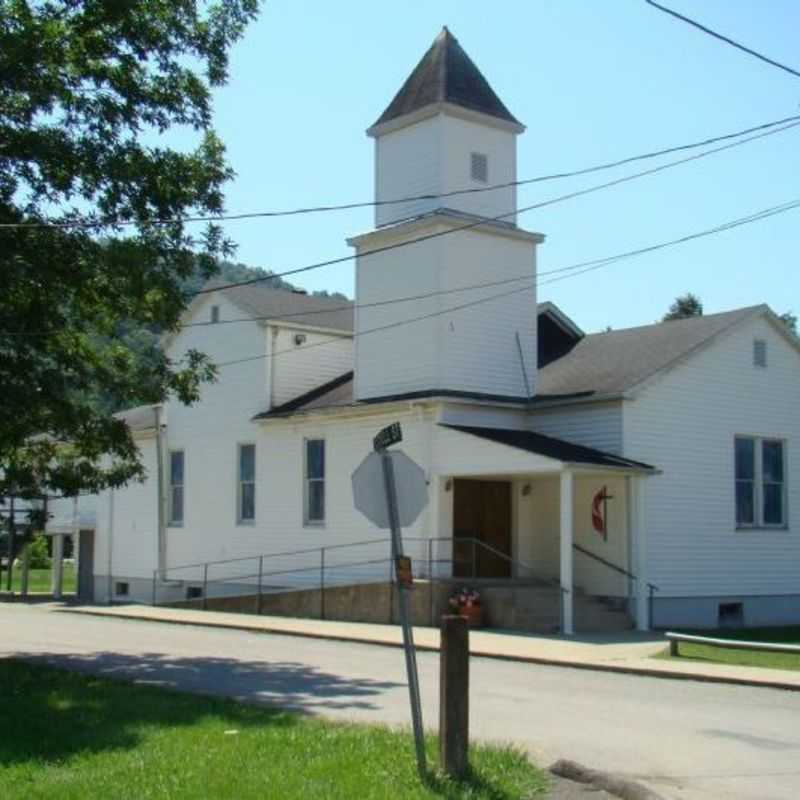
(616, 568)
(286, 553)
(496, 552)
(314, 568)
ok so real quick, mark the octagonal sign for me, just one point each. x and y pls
(369, 494)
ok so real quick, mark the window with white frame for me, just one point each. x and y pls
(246, 503)
(760, 482)
(176, 487)
(314, 490)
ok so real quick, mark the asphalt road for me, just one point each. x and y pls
(685, 739)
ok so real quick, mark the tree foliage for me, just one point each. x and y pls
(790, 321)
(88, 88)
(687, 305)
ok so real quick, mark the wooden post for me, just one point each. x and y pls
(454, 695)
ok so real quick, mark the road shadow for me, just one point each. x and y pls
(288, 684)
(54, 714)
(50, 715)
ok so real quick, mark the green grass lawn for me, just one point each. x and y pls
(74, 737)
(747, 658)
(39, 579)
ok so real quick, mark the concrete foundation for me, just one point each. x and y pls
(722, 611)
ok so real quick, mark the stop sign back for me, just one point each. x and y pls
(369, 493)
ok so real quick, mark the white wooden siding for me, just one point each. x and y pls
(685, 424)
(132, 519)
(464, 137)
(479, 350)
(297, 369)
(403, 358)
(468, 349)
(597, 425)
(433, 156)
(408, 163)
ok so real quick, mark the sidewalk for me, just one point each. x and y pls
(623, 652)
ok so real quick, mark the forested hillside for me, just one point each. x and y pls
(143, 341)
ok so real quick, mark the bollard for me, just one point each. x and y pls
(454, 695)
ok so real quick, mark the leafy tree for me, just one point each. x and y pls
(790, 320)
(687, 305)
(88, 88)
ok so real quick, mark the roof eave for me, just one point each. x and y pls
(443, 107)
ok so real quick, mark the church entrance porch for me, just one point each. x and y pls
(546, 528)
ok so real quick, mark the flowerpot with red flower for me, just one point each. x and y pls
(466, 602)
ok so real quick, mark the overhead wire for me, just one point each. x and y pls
(588, 267)
(109, 222)
(722, 38)
(576, 268)
(476, 223)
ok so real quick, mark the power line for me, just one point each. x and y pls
(576, 268)
(722, 38)
(588, 267)
(95, 223)
(498, 218)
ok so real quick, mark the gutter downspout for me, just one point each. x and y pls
(162, 528)
(272, 335)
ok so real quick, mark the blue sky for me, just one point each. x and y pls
(592, 81)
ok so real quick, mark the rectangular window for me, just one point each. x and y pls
(314, 513)
(176, 487)
(760, 482)
(247, 483)
(214, 313)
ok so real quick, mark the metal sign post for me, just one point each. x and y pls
(389, 436)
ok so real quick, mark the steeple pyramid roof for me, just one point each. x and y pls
(446, 74)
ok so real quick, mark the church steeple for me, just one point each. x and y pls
(445, 154)
(446, 74)
(445, 131)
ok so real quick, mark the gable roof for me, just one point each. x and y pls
(446, 74)
(284, 305)
(600, 365)
(614, 362)
(549, 446)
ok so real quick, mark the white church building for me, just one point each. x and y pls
(642, 477)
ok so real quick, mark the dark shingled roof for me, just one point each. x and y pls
(446, 74)
(613, 362)
(600, 364)
(263, 302)
(548, 446)
(337, 392)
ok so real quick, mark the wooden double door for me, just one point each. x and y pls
(481, 513)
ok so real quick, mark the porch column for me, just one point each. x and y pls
(639, 546)
(566, 552)
(57, 569)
